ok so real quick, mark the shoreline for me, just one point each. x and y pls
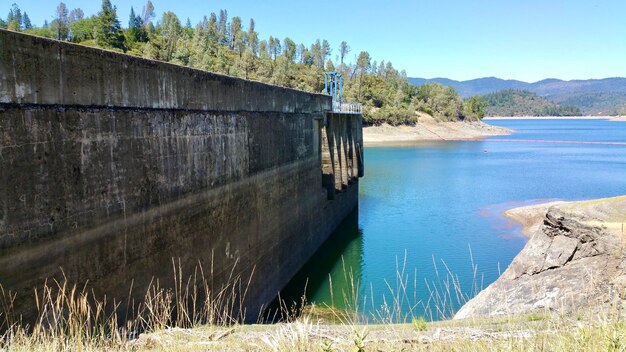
(588, 117)
(575, 256)
(607, 213)
(430, 131)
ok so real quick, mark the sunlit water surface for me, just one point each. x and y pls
(432, 211)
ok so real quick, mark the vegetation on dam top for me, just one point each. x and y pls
(222, 44)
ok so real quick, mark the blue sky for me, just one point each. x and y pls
(460, 39)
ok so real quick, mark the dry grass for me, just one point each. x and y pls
(193, 317)
(70, 318)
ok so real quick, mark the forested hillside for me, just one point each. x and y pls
(593, 96)
(233, 46)
(513, 102)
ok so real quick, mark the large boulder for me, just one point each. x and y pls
(570, 263)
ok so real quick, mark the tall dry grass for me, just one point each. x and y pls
(70, 318)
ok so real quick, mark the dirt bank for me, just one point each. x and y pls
(430, 130)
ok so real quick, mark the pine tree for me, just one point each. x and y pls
(62, 22)
(108, 29)
(253, 38)
(26, 22)
(245, 64)
(363, 64)
(289, 49)
(235, 28)
(171, 31)
(136, 32)
(316, 53)
(76, 15)
(325, 51)
(222, 24)
(344, 50)
(274, 47)
(147, 14)
(14, 20)
(131, 20)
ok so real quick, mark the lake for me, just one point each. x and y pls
(429, 232)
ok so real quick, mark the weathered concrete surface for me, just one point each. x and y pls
(575, 260)
(111, 165)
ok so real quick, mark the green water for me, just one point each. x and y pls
(429, 217)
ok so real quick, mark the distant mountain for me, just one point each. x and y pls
(511, 102)
(594, 96)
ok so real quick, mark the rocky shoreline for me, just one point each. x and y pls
(431, 131)
(574, 260)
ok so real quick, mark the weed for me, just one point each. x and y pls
(419, 324)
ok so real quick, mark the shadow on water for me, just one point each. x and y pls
(340, 256)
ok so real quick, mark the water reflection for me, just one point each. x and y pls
(434, 210)
(339, 258)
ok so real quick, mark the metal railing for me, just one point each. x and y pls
(347, 108)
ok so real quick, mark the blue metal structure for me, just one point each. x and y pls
(333, 86)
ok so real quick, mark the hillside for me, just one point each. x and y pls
(513, 102)
(593, 97)
(223, 44)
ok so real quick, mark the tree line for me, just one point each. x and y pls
(222, 44)
(511, 102)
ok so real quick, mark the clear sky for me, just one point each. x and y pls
(459, 39)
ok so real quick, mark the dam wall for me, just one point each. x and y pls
(113, 167)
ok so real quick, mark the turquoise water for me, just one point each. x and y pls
(432, 211)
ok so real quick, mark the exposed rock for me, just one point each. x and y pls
(574, 260)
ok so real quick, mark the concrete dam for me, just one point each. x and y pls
(113, 166)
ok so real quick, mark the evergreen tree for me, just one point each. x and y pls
(76, 15)
(325, 51)
(108, 29)
(132, 18)
(171, 31)
(330, 66)
(316, 53)
(474, 108)
(282, 74)
(62, 22)
(301, 52)
(289, 49)
(136, 32)
(239, 44)
(235, 28)
(344, 50)
(363, 65)
(83, 29)
(253, 38)
(222, 24)
(14, 20)
(26, 22)
(245, 64)
(306, 57)
(274, 47)
(147, 15)
(263, 50)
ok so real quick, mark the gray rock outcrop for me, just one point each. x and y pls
(570, 263)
